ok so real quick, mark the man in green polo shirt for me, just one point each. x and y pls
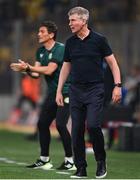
(49, 59)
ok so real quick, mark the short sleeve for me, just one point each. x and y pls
(57, 55)
(67, 52)
(38, 55)
(105, 47)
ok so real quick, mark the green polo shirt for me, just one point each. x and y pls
(54, 55)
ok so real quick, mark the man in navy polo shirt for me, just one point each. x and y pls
(83, 59)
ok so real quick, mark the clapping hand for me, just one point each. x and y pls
(20, 66)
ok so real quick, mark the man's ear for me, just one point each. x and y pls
(51, 35)
(84, 21)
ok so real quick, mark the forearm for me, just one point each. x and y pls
(114, 68)
(116, 73)
(116, 94)
(46, 70)
(40, 69)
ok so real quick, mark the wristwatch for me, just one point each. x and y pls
(28, 69)
(118, 85)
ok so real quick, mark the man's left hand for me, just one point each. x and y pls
(116, 95)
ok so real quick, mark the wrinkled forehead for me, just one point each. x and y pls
(75, 16)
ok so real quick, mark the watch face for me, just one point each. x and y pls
(66, 100)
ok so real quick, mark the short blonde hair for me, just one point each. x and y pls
(80, 11)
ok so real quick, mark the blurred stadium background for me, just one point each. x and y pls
(19, 19)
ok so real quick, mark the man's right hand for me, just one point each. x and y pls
(59, 99)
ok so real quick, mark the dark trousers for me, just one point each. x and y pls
(86, 103)
(49, 112)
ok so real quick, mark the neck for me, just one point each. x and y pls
(84, 32)
(49, 44)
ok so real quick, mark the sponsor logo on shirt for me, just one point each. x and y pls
(50, 56)
(66, 100)
(41, 55)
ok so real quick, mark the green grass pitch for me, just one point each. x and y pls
(15, 150)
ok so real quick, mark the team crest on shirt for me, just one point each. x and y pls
(50, 56)
(41, 55)
(66, 100)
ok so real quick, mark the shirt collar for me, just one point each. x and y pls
(89, 35)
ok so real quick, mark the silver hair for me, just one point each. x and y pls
(80, 11)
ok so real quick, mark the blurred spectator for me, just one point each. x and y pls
(30, 92)
(137, 114)
(132, 86)
(131, 102)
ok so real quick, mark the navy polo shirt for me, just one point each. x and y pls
(86, 57)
